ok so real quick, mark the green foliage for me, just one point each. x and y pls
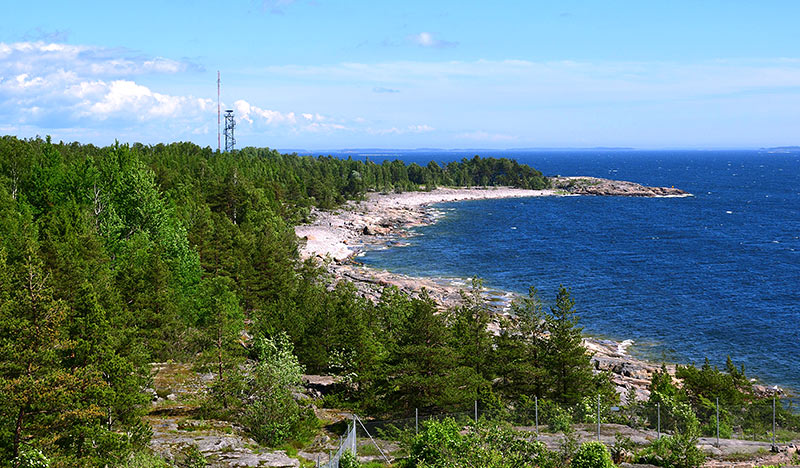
(623, 449)
(468, 324)
(191, 457)
(520, 350)
(444, 444)
(31, 458)
(676, 414)
(423, 370)
(262, 397)
(437, 442)
(676, 451)
(145, 459)
(348, 460)
(558, 418)
(220, 321)
(592, 455)
(567, 362)
(126, 255)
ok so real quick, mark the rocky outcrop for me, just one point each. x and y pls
(609, 188)
(178, 426)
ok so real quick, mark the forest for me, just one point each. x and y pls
(113, 258)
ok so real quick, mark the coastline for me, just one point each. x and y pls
(335, 238)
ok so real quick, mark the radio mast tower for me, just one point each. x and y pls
(219, 144)
(230, 142)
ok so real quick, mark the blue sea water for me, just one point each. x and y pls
(712, 275)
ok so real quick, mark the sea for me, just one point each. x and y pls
(708, 276)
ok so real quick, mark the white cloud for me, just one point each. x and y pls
(48, 86)
(257, 118)
(122, 97)
(46, 58)
(426, 39)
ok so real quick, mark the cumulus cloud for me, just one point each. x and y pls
(381, 89)
(57, 85)
(259, 118)
(426, 39)
(44, 58)
(60, 86)
(123, 97)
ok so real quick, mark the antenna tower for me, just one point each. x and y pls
(230, 142)
(219, 143)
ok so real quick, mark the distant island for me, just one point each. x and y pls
(782, 149)
(393, 151)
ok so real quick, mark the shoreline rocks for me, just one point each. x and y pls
(335, 239)
(607, 188)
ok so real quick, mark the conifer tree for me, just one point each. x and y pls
(472, 339)
(566, 360)
(221, 322)
(520, 348)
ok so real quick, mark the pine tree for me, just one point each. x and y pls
(424, 371)
(520, 349)
(32, 382)
(221, 321)
(471, 337)
(566, 360)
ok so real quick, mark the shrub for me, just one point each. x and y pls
(677, 451)
(348, 460)
(263, 401)
(438, 441)
(191, 457)
(623, 449)
(146, 459)
(592, 455)
(560, 420)
(444, 444)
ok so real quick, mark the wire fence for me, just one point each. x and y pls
(347, 443)
(767, 421)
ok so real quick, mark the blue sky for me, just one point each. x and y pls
(325, 74)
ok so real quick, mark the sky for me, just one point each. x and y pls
(332, 74)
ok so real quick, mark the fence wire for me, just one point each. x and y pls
(348, 443)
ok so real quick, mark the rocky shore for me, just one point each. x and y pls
(607, 187)
(335, 238)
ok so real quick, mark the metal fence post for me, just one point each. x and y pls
(774, 396)
(717, 421)
(536, 400)
(598, 418)
(476, 411)
(658, 407)
(416, 420)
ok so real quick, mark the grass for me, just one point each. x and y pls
(368, 450)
